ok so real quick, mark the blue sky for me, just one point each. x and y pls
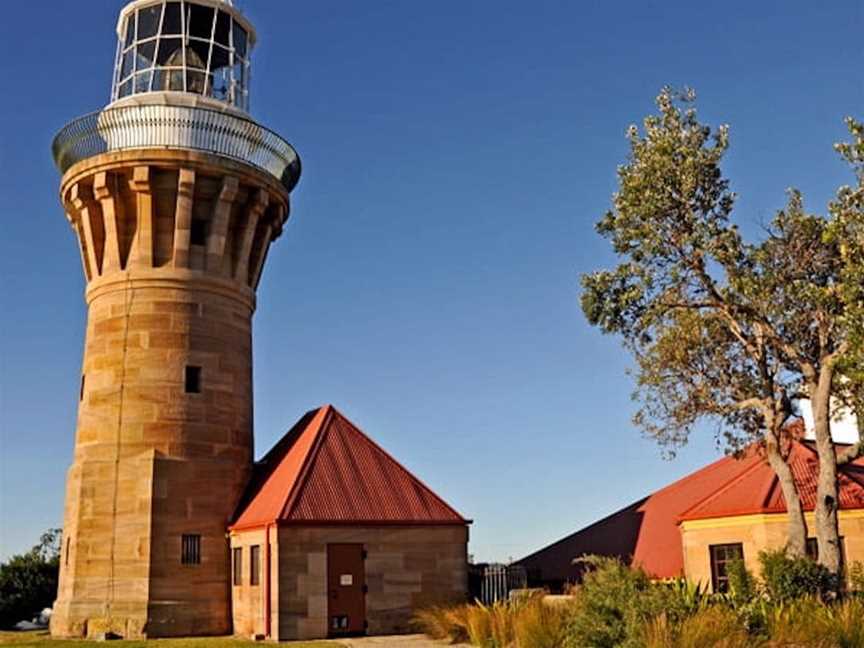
(456, 155)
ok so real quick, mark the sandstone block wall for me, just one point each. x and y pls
(756, 533)
(172, 246)
(407, 568)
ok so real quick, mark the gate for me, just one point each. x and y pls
(489, 583)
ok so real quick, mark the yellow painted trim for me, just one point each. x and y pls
(760, 518)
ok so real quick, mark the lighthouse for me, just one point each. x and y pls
(175, 195)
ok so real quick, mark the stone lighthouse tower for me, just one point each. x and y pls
(175, 195)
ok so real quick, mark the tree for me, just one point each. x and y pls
(733, 331)
(689, 298)
(28, 582)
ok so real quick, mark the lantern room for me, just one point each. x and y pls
(196, 46)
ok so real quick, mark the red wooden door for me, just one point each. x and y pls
(346, 590)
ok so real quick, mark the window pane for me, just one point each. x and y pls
(254, 564)
(145, 53)
(148, 21)
(126, 68)
(130, 30)
(170, 52)
(142, 81)
(125, 89)
(195, 82)
(221, 83)
(175, 80)
(171, 21)
(200, 21)
(160, 79)
(239, 40)
(223, 27)
(220, 58)
(238, 566)
(196, 55)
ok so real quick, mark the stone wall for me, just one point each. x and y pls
(407, 568)
(155, 459)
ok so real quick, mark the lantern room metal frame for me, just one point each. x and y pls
(200, 46)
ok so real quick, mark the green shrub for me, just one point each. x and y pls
(786, 578)
(28, 583)
(615, 601)
(742, 585)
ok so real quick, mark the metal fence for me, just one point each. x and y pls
(181, 127)
(489, 583)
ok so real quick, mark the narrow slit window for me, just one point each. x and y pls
(198, 232)
(255, 565)
(193, 380)
(81, 389)
(66, 555)
(237, 566)
(191, 550)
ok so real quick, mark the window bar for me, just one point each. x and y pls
(183, 42)
(232, 91)
(210, 52)
(157, 49)
(120, 41)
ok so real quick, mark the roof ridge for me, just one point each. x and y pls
(293, 495)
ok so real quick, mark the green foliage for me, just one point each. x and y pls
(28, 582)
(615, 601)
(742, 585)
(787, 578)
(856, 577)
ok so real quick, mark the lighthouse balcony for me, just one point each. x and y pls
(189, 127)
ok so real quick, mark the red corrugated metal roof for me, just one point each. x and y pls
(757, 489)
(647, 532)
(325, 470)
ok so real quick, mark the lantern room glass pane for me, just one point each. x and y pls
(199, 21)
(126, 68)
(130, 30)
(171, 23)
(148, 21)
(201, 52)
(239, 40)
(145, 55)
(170, 52)
(223, 28)
(142, 81)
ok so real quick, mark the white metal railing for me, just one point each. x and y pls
(177, 127)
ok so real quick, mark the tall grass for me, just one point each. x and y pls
(526, 623)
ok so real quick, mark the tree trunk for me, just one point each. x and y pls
(796, 543)
(827, 498)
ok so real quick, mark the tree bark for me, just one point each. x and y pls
(827, 497)
(796, 543)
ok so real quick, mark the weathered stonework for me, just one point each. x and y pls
(173, 244)
(407, 568)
